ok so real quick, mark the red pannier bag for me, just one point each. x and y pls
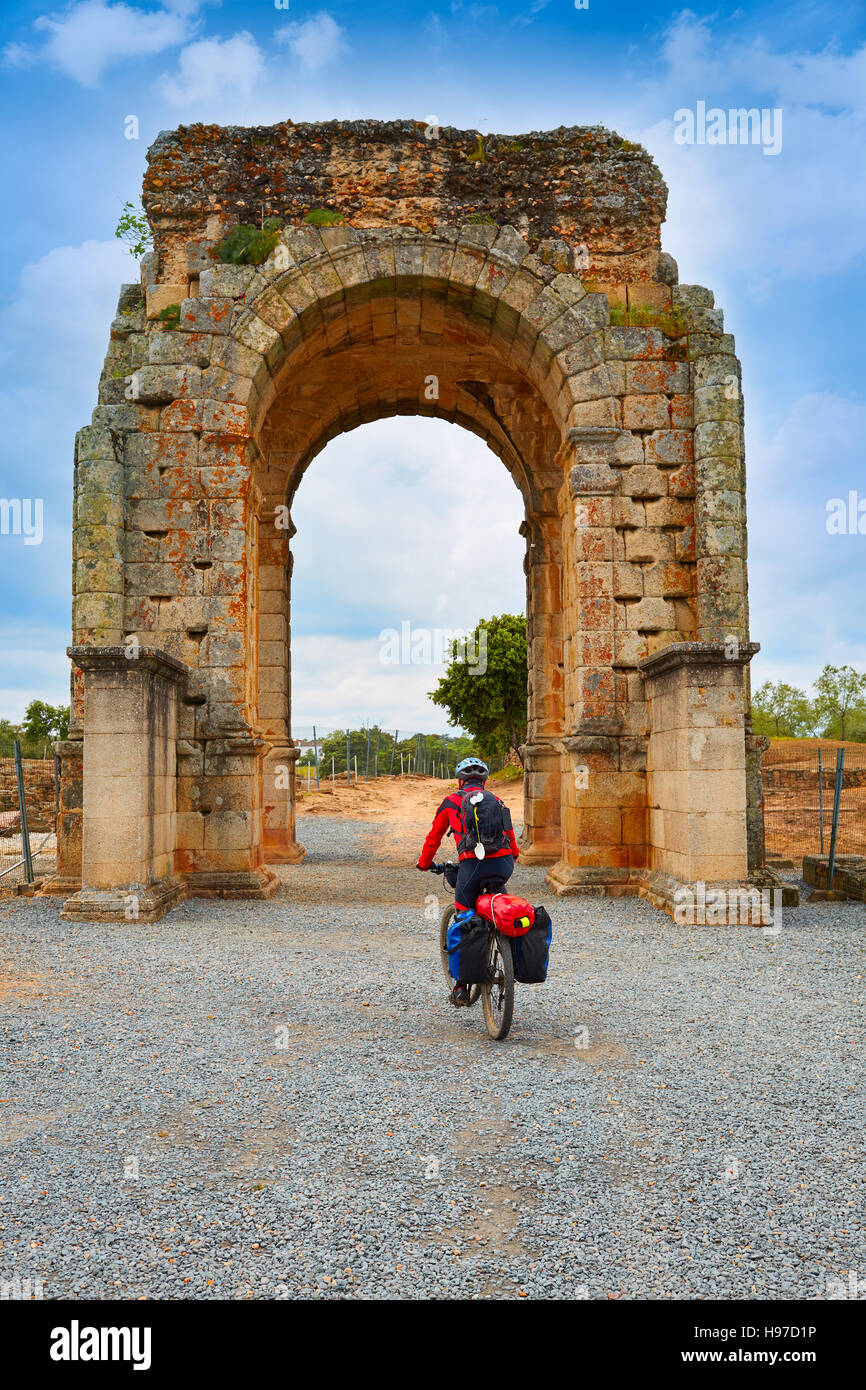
(512, 916)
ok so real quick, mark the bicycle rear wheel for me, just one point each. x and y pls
(497, 992)
(444, 924)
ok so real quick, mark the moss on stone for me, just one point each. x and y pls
(169, 317)
(324, 217)
(670, 321)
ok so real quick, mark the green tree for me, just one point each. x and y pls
(134, 228)
(782, 711)
(484, 686)
(840, 700)
(43, 722)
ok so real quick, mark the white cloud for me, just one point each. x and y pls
(19, 55)
(405, 520)
(54, 330)
(53, 338)
(801, 212)
(805, 584)
(35, 667)
(92, 36)
(316, 41)
(214, 70)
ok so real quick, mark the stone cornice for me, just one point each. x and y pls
(150, 659)
(680, 654)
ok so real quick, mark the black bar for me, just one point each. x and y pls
(22, 806)
(834, 830)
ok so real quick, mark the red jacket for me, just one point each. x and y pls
(448, 818)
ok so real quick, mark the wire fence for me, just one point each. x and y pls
(372, 752)
(29, 799)
(800, 795)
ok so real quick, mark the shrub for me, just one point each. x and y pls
(248, 245)
(134, 228)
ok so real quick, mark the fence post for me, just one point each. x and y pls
(376, 756)
(834, 829)
(367, 764)
(393, 751)
(821, 800)
(22, 809)
(348, 773)
(316, 752)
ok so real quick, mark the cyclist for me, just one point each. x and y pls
(473, 874)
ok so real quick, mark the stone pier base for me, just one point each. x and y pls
(129, 785)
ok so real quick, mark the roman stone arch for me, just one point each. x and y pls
(610, 393)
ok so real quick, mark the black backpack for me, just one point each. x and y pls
(485, 821)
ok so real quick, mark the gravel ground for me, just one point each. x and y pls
(275, 1100)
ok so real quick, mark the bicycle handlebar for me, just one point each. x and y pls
(440, 868)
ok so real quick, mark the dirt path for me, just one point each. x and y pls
(404, 808)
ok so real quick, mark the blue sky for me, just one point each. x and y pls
(780, 240)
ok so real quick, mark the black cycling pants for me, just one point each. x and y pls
(473, 874)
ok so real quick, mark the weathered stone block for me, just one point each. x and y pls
(160, 297)
(645, 412)
(593, 478)
(651, 615)
(206, 315)
(162, 384)
(625, 343)
(179, 349)
(644, 480)
(627, 581)
(225, 281)
(669, 447)
(657, 377)
(681, 482)
(669, 511)
(649, 295)
(643, 546)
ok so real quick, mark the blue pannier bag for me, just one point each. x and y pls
(467, 940)
(531, 953)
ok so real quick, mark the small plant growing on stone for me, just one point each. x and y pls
(481, 219)
(169, 317)
(134, 228)
(248, 245)
(324, 217)
(479, 154)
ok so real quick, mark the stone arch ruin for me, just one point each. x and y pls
(525, 278)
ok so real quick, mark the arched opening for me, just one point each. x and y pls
(387, 353)
(404, 533)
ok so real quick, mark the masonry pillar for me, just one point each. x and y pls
(278, 806)
(541, 842)
(603, 787)
(129, 778)
(696, 766)
(273, 690)
(66, 878)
